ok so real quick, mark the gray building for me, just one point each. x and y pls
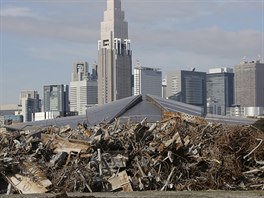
(30, 103)
(56, 98)
(188, 87)
(80, 71)
(249, 84)
(83, 88)
(220, 88)
(147, 81)
(114, 56)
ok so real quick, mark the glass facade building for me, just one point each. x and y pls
(188, 87)
(56, 98)
(220, 88)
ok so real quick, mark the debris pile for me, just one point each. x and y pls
(181, 152)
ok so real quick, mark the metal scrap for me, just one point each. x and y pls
(181, 152)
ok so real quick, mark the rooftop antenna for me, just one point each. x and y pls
(138, 64)
(244, 59)
(191, 68)
(259, 58)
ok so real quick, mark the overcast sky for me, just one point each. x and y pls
(40, 39)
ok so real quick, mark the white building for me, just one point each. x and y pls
(245, 111)
(173, 83)
(47, 115)
(220, 70)
(147, 81)
(83, 90)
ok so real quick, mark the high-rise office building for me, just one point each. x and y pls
(220, 89)
(31, 104)
(56, 98)
(80, 71)
(147, 81)
(30, 94)
(173, 83)
(249, 84)
(188, 87)
(114, 56)
(83, 88)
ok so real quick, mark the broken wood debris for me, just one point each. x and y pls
(181, 152)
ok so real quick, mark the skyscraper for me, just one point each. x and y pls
(147, 81)
(83, 88)
(56, 98)
(220, 88)
(188, 87)
(249, 84)
(114, 56)
(30, 103)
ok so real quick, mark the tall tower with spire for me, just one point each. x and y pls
(114, 56)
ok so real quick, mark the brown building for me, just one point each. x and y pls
(249, 84)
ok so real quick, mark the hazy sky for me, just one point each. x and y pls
(40, 39)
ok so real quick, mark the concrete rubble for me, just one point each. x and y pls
(181, 152)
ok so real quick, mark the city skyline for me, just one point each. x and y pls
(40, 40)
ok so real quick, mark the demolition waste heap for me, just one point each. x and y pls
(180, 152)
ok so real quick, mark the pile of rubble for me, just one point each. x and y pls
(181, 152)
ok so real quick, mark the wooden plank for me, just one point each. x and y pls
(64, 145)
(121, 180)
(25, 185)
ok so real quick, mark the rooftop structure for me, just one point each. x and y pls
(134, 108)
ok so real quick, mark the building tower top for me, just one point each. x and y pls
(114, 4)
(80, 71)
(114, 25)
